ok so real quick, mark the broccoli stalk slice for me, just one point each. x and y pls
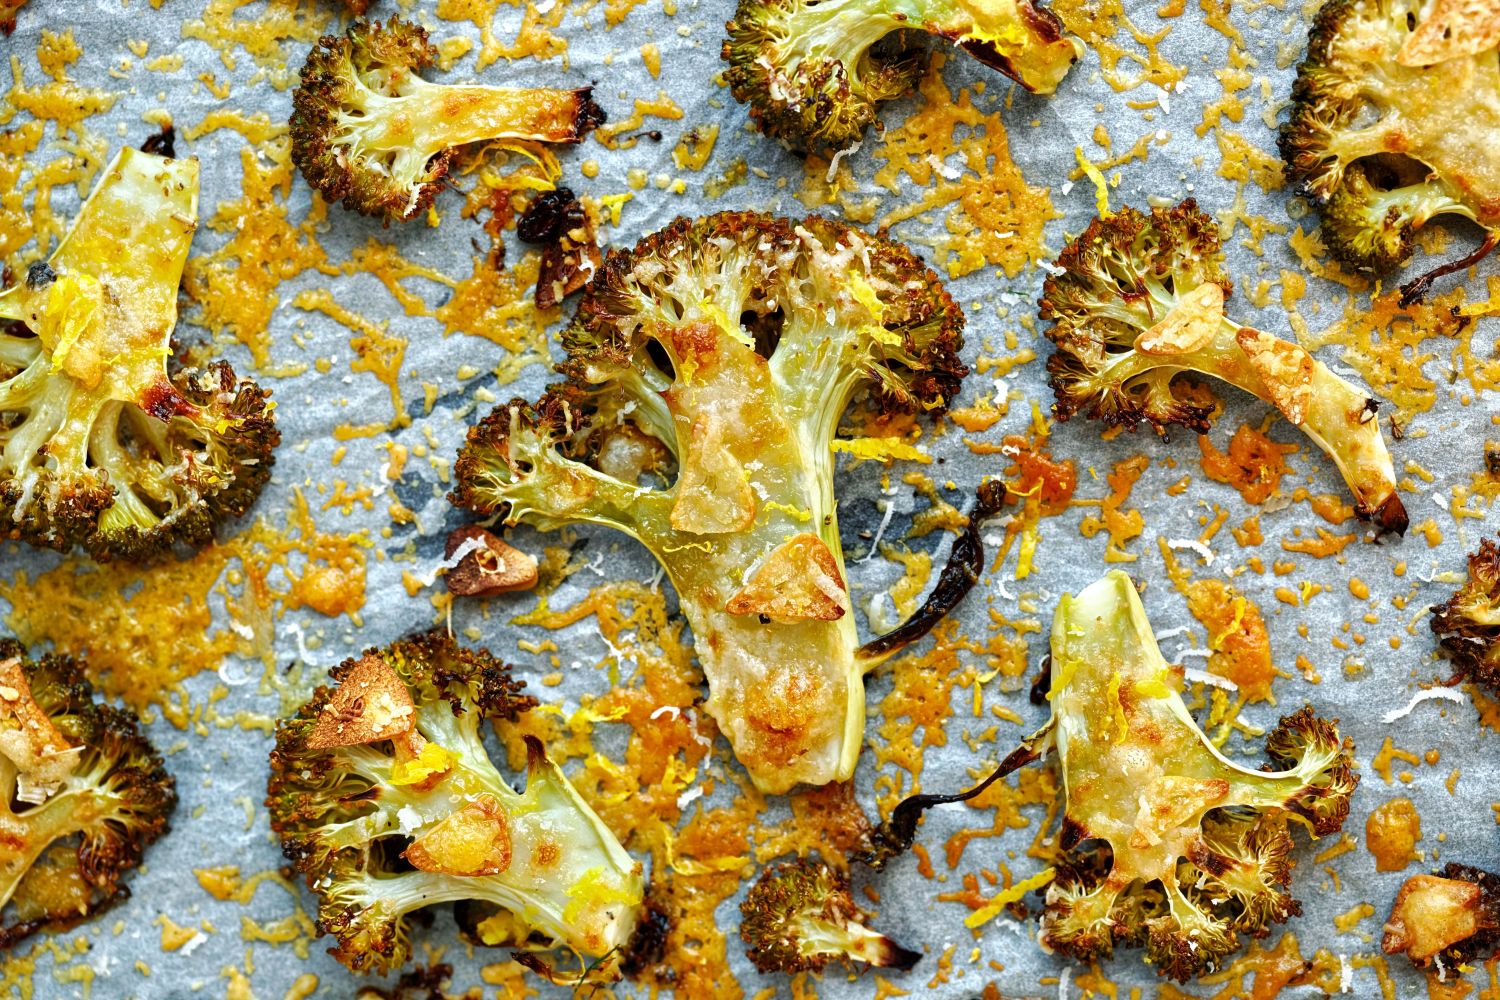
(108, 448)
(1380, 147)
(813, 71)
(1196, 844)
(665, 346)
(1129, 275)
(1339, 419)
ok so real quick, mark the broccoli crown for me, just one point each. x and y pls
(799, 916)
(707, 371)
(1452, 916)
(813, 71)
(1382, 146)
(1168, 844)
(85, 795)
(367, 130)
(1138, 299)
(386, 800)
(1468, 623)
(106, 442)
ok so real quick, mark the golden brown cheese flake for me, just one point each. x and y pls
(798, 581)
(1430, 914)
(472, 842)
(1285, 368)
(371, 703)
(1189, 326)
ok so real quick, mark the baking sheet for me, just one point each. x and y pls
(221, 770)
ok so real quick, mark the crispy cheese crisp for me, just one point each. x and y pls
(1451, 30)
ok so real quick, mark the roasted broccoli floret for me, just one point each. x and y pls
(799, 916)
(708, 369)
(367, 130)
(85, 795)
(1167, 844)
(386, 800)
(1386, 132)
(1452, 916)
(105, 441)
(1139, 299)
(1468, 623)
(814, 71)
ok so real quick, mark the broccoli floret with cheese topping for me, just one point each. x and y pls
(1138, 299)
(105, 441)
(815, 71)
(1395, 116)
(708, 370)
(368, 131)
(1166, 843)
(387, 802)
(84, 795)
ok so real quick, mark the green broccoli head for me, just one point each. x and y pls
(368, 131)
(1381, 143)
(107, 443)
(1169, 844)
(800, 915)
(1136, 300)
(386, 800)
(815, 71)
(85, 795)
(1468, 623)
(708, 369)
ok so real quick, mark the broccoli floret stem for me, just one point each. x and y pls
(1337, 418)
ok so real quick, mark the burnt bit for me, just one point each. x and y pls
(162, 400)
(570, 255)
(965, 565)
(895, 836)
(549, 216)
(648, 945)
(1492, 459)
(1389, 517)
(1073, 833)
(422, 983)
(39, 275)
(1415, 290)
(590, 114)
(163, 143)
(1042, 686)
(493, 568)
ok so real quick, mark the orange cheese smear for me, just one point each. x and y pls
(994, 217)
(1240, 647)
(144, 631)
(1123, 524)
(1253, 465)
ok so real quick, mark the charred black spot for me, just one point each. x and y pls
(590, 114)
(163, 401)
(648, 945)
(549, 216)
(1073, 833)
(40, 275)
(419, 984)
(1042, 686)
(163, 143)
(1492, 459)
